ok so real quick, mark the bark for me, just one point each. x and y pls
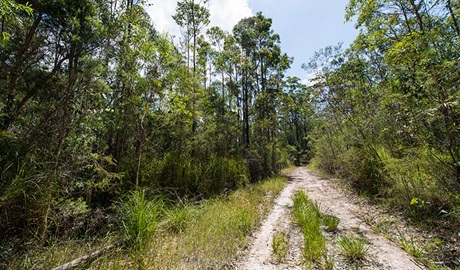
(454, 19)
(416, 10)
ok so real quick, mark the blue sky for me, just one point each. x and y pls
(305, 26)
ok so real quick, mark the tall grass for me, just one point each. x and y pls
(209, 235)
(141, 217)
(207, 176)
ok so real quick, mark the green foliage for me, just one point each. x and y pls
(219, 229)
(97, 104)
(188, 176)
(410, 247)
(9, 9)
(386, 107)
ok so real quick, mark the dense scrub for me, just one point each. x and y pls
(388, 107)
(161, 234)
(96, 104)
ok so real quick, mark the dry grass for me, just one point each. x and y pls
(210, 235)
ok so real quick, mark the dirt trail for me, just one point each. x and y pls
(383, 254)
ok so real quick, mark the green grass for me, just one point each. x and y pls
(141, 217)
(58, 253)
(353, 248)
(308, 216)
(331, 222)
(288, 170)
(328, 263)
(410, 247)
(279, 246)
(207, 235)
(204, 236)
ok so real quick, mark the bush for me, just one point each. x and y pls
(189, 176)
(220, 174)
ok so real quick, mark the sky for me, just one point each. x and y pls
(305, 26)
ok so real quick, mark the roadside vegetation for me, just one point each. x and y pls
(155, 235)
(387, 111)
(111, 130)
(353, 248)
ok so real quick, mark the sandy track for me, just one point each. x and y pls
(384, 254)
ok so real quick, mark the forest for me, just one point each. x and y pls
(97, 107)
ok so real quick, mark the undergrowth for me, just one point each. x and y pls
(205, 235)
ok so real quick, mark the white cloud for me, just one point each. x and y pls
(308, 79)
(227, 13)
(224, 13)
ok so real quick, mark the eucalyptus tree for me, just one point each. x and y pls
(263, 65)
(193, 17)
(296, 116)
(261, 74)
(418, 40)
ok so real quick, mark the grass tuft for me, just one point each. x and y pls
(141, 217)
(331, 222)
(328, 262)
(410, 247)
(353, 248)
(279, 246)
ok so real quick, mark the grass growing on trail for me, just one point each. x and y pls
(279, 246)
(205, 236)
(308, 216)
(331, 222)
(310, 219)
(353, 248)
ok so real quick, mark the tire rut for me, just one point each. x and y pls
(383, 254)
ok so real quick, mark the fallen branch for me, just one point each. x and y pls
(87, 258)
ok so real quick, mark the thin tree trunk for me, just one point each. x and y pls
(452, 15)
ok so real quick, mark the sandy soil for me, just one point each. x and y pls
(383, 254)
